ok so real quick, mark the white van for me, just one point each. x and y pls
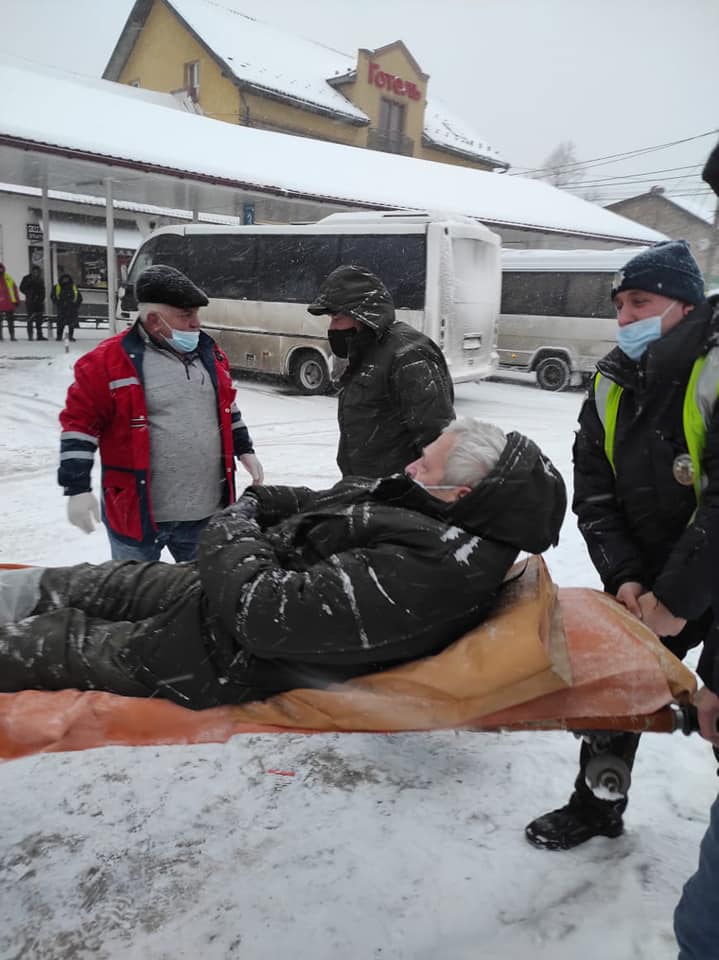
(444, 275)
(556, 316)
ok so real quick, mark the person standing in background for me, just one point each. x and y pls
(396, 394)
(32, 287)
(9, 299)
(159, 403)
(67, 298)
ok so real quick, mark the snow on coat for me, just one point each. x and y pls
(325, 586)
(396, 395)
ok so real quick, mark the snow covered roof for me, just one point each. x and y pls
(52, 114)
(303, 70)
(568, 260)
(443, 128)
(268, 57)
(701, 206)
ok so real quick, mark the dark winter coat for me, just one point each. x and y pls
(710, 173)
(396, 394)
(67, 298)
(33, 289)
(327, 586)
(640, 524)
(106, 406)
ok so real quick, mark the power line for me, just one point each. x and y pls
(614, 157)
(647, 173)
(624, 183)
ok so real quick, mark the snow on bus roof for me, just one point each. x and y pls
(568, 260)
(67, 114)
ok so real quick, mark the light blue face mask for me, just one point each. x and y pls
(636, 337)
(184, 341)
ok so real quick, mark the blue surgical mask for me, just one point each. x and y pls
(184, 341)
(634, 338)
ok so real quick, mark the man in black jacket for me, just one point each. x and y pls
(646, 485)
(396, 393)
(294, 588)
(32, 287)
(696, 918)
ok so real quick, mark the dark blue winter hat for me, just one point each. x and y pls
(164, 284)
(667, 268)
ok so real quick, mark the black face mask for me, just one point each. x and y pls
(340, 341)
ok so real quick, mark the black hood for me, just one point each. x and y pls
(360, 294)
(522, 502)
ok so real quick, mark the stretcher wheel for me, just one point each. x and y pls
(608, 773)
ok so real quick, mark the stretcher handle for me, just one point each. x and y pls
(686, 718)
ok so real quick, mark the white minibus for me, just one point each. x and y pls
(556, 316)
(444, 275)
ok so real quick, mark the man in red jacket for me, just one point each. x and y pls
(158, 400)
(9, 299)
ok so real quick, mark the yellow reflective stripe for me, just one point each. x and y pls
(694, 426)
(10, 284)
(607, 396)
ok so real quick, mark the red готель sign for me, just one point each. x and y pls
(387, 81)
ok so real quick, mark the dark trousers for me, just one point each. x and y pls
(137, 629)
(624, 745)
(9, 316)
(70, 323)
(34, 325)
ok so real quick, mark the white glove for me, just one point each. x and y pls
(253, 466)
(82, 510)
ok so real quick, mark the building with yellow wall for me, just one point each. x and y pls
(243, 71)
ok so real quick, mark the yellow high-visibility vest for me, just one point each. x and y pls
(699, 399)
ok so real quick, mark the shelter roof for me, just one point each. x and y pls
(74, 134)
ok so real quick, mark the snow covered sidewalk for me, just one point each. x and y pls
(407, 846)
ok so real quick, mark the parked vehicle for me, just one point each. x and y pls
(556, 316)
(443, 273)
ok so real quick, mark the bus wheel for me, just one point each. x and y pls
(553, 373)
(309, 372)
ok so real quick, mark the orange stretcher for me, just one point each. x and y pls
(546, 659)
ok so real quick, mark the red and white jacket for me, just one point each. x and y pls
(106, 407)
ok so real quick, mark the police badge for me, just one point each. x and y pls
(683, 470)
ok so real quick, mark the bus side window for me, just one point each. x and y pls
(224, 265)
(534, 293)
(168, 249)
(588, 295)
(399, 261)
(293, 267)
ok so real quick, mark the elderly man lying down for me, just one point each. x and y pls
(294, 588)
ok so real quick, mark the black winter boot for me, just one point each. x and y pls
(586, 815)
(572, 825)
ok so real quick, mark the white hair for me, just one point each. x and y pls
(475, 453)
(144, 308)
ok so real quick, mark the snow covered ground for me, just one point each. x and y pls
(404, 847)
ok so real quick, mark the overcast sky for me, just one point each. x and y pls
(610, 75)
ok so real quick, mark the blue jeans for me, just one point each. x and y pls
(696, 918)
(180, 537)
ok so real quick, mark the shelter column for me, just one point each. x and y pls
(111, 258)
(46, 265)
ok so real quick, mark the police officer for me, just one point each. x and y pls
(646, 486)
